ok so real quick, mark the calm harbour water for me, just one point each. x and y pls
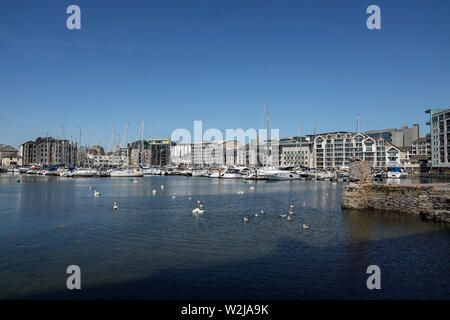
(153, 247)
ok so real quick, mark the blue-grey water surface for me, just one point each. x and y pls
(153, 247)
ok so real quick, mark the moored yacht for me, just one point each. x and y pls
(396, 173)
(198, 173)
(231, 173)
(23, 169)
(127, 173)
(65, 173)
(216, 173)
(34, 170)
(283, 173)
(83, 172)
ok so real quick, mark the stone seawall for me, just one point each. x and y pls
(428, 202)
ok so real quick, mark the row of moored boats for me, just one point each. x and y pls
(230, 172)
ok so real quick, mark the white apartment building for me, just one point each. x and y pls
(334, 150)
(208, 154)
(106, 160)
(293, 155)
(181, 153)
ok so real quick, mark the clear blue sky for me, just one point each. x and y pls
(172, 62)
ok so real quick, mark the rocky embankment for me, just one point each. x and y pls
(430, 202)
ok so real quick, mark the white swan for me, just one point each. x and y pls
(115, 207)
(190, 198)
(154, 191)
(196, 210)
(173, 197)
(305, 227)
(162, 186)
(96, 193)
(291, 213)
(292, 206)
(263, 212)
(256, 215)
(246, 219)
(289, 219)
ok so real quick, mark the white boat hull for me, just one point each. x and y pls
(198, 173)
(396, 175)
(127, 174)
(282, 176)
(231, 176)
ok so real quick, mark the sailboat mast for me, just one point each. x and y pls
(142, 144)
(79, 149)
(267, 133)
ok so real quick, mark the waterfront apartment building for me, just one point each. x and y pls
(399, 137)
(153, 152)
(208, 154)
(159, 151)
(440, 137)
(139, 153)
(181, 154)
(49, 151)
(296, 151)
(110, 160)
(422, 147)
(335, 149)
